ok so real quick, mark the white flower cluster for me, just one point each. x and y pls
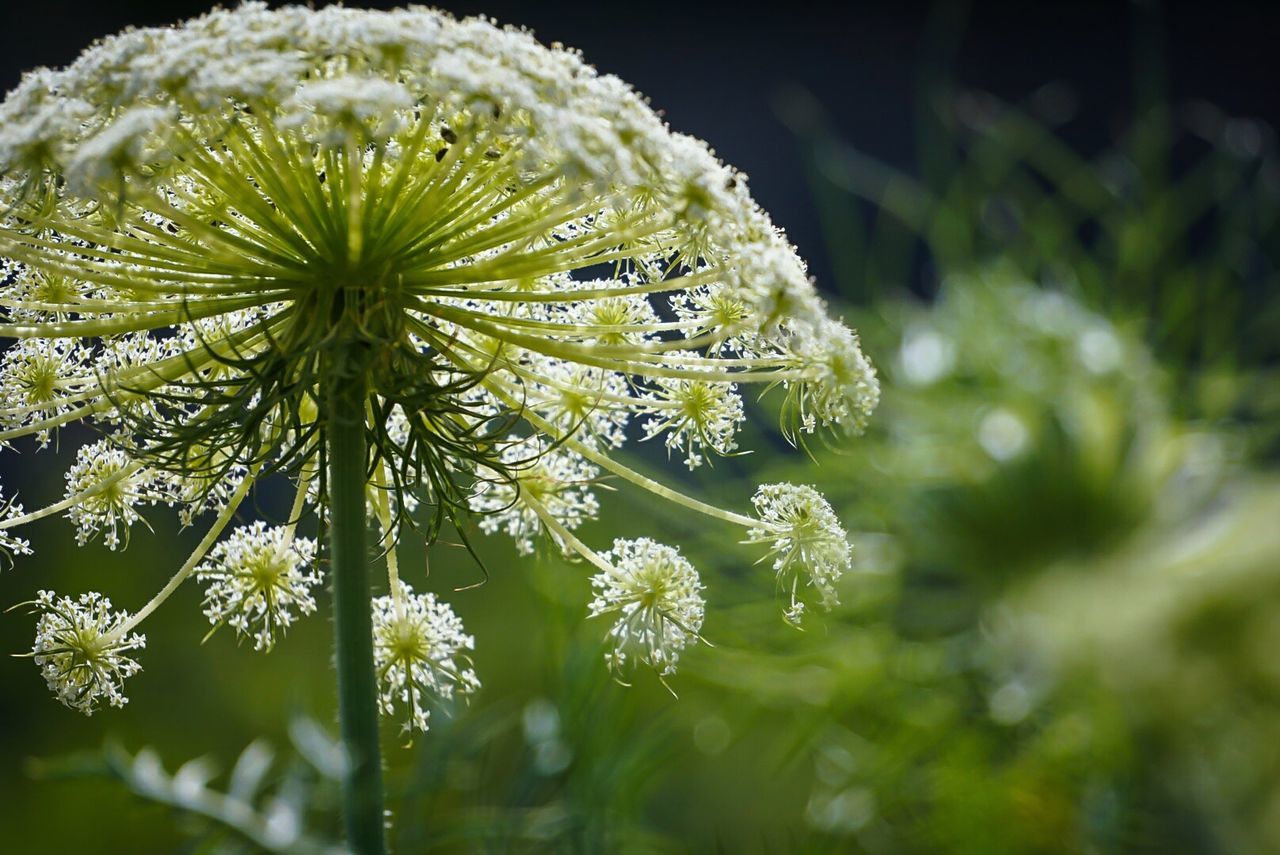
(10, 544)
(331, 111)
(134, 140)
(580, 399)
(82, 649)
(108, 486)
(695, 415)
(256, 579)
(656, 595)
(195, 220)
(804, 537)
(35, 376)
(418, 650)
(541, 481)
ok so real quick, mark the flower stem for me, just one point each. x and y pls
(352, 609)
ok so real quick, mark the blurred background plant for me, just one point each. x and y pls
(1061, 633)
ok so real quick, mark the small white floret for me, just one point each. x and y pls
(257, 579)
(805, 539)
(83, 650)
(655, 594)
(419, 650)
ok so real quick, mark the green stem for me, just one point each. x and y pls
(352, 610)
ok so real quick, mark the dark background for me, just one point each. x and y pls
(718, 69)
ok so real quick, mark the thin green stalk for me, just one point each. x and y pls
(352, 612)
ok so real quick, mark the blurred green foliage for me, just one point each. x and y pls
(1060, 635)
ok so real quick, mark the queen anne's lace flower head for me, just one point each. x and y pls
(419, 651)
(539, 481)
(655, 594)
(204, 227)
(11, 545)
(695, 416)
(256, 579)
(37, 379)
(107, 487)
(83, 650)
(805, 539)
(581, 399)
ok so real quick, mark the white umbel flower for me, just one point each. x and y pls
(545, 481)
(714, 310)
(131, 356)
(656, 595)
(331, 111)
(842, 389)
(134, 139)
(618, 320)
(110, 487)
(10, 545)
(82, 650)
(256, 579)
(212, 234)
(696, 416)
(419, 651)
(38, 295)
(805, 539)
(581, 399)
(35, 381)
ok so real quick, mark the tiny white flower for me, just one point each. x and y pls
(35, 124)
(332, 111)
(656, 595)
(713, 310)
(10, 544)
(111, 486)
(558, 481)
(130, 356)
(696, 416)
(842, 388)
(419, 651)
(37, 376)
(256, 579)
(39, 295)
(134, 139)
(621, 320)
(582, 399)
(83, 650)
(805, 539)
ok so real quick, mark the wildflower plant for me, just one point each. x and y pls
(429, 271)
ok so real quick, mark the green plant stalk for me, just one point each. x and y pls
(352, 613)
